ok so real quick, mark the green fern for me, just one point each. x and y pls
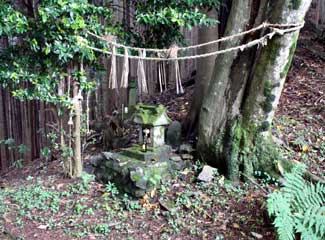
(298, 207)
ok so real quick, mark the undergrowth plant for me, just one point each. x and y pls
(36, 197)
(298, 207)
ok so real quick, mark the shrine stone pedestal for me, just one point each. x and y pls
(137, 172)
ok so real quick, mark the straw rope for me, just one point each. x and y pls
(262, 26)
(260, 41)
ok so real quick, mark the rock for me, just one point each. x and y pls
(136, 174)
(119, 142)
(278, 141)
(174, 134)
(257, 235)
(161, 153)
(108, 155)
(177, 163)
(167, 204)
(207, 174)
(43, 227)
(89, 168)
(186, 148)
(187, 157)
(175, 158)
(96, 160)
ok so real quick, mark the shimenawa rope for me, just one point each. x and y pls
(240, 47)
(171, 54)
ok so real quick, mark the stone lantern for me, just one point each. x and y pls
(153, 121)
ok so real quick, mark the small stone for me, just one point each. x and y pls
(42, 227)
(90, 169)
(235, 225)
(166, 204)
(96, 160)
(187, 157)
(139, 193)
(186, 148)
(91, 237)
(176, 158)
(257, 235)
(278, 141)
(207, 174)
(108, 155)
(174, 134)
(177, 165)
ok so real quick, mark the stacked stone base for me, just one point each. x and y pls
(136, 173)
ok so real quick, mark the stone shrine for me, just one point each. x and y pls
(153, 121)
(141, 168)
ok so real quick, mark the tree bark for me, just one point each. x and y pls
(204, 71)
(214, 108)
(244, 92)
(273, 64)
(77, 160)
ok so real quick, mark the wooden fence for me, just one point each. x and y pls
(317, 14)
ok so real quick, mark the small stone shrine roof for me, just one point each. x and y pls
(151, 115)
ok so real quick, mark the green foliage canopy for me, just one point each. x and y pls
(42, 48)
(162, 20)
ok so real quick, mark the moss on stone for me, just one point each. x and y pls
(135, 152)
(133, 84)
(148, 115)
(134, 176)
(152, 154)
(137, 149)
(295, 4)
(293, 47)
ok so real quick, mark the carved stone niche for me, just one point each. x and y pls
(152, 121)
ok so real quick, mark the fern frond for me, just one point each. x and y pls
(314, 219)
(285, 225)
(298, 207)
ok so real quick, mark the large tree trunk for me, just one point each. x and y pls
(213, 111)
(245, 89)
(204, 70)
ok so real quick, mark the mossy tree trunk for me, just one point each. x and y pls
(237, 111)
